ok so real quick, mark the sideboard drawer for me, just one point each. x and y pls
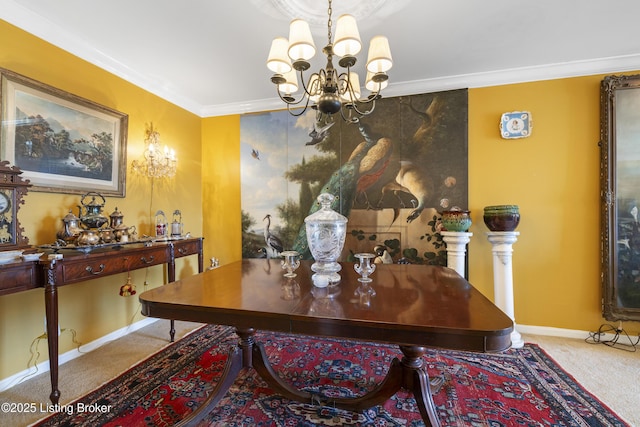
(151, 257)
(18, 277)
(74, 270)
(186, 248)
(78, 271)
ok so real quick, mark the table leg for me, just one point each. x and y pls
(408, 373)
(236, 361)
(417, 380)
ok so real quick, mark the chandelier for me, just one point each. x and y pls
(157, 162)
(329, 91)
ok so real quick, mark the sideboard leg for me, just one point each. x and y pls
(171, 277)
(51, 312)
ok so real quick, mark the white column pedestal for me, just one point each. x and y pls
(502, 242)
(456, 242)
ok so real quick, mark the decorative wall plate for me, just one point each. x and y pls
(517, 124)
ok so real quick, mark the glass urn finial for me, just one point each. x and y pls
(326, 231)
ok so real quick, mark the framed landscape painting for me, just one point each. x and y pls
(63, 143)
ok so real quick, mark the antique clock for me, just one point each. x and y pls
(12, 189)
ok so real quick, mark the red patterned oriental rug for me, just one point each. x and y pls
(523, 387)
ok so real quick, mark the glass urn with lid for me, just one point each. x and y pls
(326, 230)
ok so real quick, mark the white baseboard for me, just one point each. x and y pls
(558, 332)
(72, 354)
(43, 367)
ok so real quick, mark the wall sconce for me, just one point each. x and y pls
(158, 162)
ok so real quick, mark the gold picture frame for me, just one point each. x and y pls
(63, 143)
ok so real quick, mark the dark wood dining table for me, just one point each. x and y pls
(414, 306)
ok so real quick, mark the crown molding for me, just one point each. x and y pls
(41, 27)
(476, 80)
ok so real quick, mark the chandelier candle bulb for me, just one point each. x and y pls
(301, 45)
(375, 86)
(379, 59)
(290, 84)
(354, 82)
(347, 41)
(278, 61)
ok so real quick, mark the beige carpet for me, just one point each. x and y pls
(610, 374)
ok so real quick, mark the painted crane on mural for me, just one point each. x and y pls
(274, 244)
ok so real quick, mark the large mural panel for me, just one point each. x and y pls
(392, 174)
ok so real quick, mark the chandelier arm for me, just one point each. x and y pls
(343, 79)
(321, 76)
(361, 112)
(292, 103)
(294, 114)
(373, 97)
(289, 100)
(348, 118)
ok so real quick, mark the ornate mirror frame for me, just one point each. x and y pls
(620, 196)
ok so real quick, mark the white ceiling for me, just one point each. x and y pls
(208, 56)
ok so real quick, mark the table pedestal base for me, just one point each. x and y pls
(408, 373)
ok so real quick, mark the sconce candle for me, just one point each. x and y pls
(157, 163)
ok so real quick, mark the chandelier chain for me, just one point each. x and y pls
(329, 23)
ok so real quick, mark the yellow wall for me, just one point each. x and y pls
(94, 309)
(221, 188)
(552, 176)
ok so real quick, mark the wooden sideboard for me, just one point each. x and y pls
(77, 267)
(19, 276)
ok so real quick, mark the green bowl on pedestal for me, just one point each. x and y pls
(456, 220)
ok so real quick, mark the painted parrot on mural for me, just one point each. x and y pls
(343, 185)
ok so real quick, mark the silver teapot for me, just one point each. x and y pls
(92, 217)
(70, 228)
